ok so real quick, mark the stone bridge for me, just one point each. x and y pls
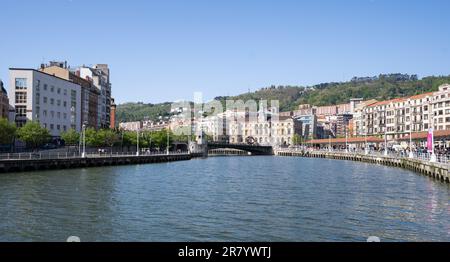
(253, 149)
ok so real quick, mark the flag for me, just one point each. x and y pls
(430, 140)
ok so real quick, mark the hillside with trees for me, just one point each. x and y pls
(380, 87)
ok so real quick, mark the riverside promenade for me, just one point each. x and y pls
(41, 161)
(437, 170)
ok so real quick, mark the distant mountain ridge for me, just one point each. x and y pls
(381, 87)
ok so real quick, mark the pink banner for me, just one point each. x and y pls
(430, 140)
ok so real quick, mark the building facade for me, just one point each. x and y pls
(309, 125)
(100, 76)
(89, 93)
(4, 102)
(276, 132)
(52, 101)
(131, 126)
(399, 117)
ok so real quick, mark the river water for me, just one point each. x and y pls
(225, 199)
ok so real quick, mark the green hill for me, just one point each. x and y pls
(380, 87)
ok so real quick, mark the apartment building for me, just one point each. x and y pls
(100, 75)
(89, 93)
(440, 109)
(52, 101)
(358, 122)
(4, 102)
(309, 125)
(397, 118)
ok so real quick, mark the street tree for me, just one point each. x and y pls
(33, 134)
(71, 137)
(7, 131)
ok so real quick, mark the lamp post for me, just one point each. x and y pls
(168, 142)
(366, 149)
(329, 147)
(385, 142)
(411, 154)
(346, 141)
(137, 144)
(83, 138)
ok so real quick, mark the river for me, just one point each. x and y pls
(225, 199)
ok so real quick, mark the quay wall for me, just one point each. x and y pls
(24, 165)
(437, 171)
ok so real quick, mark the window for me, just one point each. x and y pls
(21, 97)
(45, 100)
(58, 127)
(21, 111)
(65, 103)
(58, 102)
(52, 101)
(44, 113)
(45, 87)
(21, 83)
(58, 115)
(58, 91)
(38, 98)
(52, 126)
(52, 89)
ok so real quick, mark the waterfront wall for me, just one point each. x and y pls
(66, 163)
(435, 170)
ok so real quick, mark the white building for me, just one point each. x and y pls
(99, 74)
(131, 126)
(273, 132)
(53, 102)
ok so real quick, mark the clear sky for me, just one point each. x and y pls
(166, 50)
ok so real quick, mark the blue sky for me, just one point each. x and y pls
(166, 50)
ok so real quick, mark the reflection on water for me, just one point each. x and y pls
(225, 199)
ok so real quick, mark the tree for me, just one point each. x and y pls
(107, 137)
(71, 137)
(33, 134)
(7, 131)
(92, 138)
(297, 139)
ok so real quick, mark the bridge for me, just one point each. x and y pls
(253, 149)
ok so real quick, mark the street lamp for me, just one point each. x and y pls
(137, 144)
(366, 149)
(411, 154)
(329, 147)
(167, 142)
(83, 138)
(346, 141)
(385, 142)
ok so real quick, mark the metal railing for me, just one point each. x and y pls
(426, 157)
(75, 155)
